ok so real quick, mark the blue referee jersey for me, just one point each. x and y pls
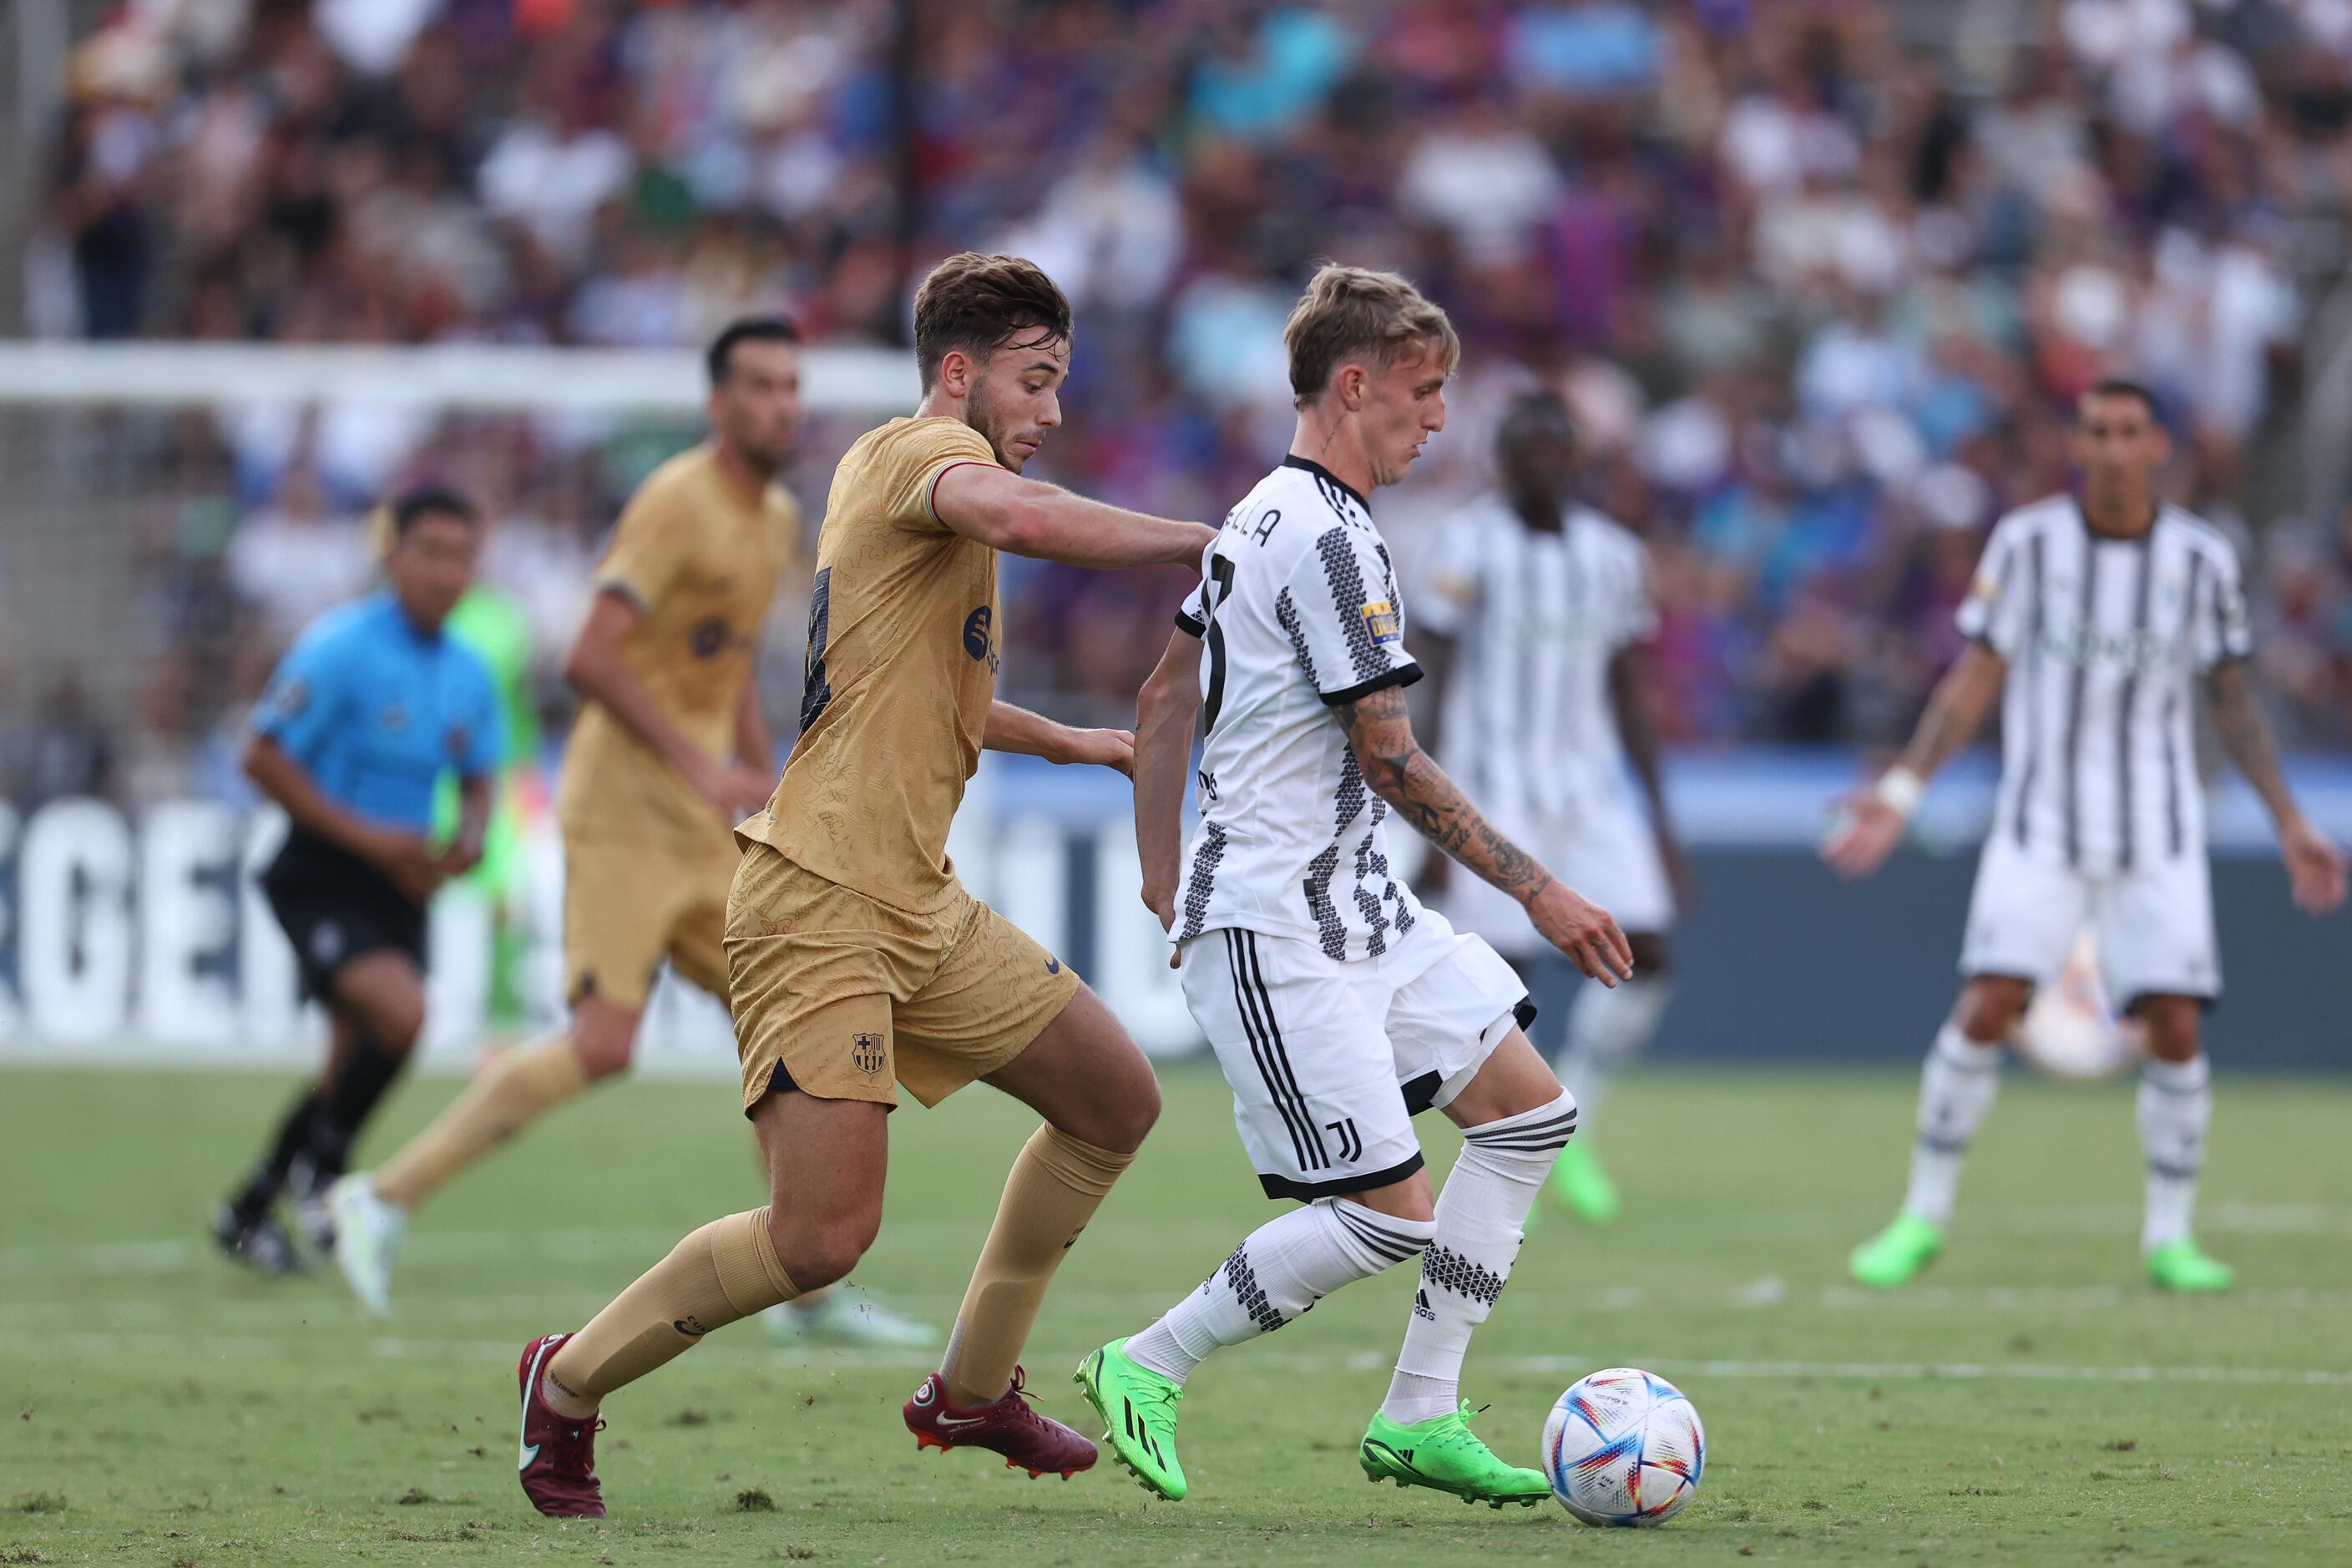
(374, 709)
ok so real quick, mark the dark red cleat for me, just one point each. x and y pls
(1028, 1441)
(558, 1464)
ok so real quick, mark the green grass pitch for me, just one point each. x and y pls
(2031, 1403)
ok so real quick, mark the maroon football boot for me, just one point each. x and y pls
(1009, 1426)
(557, 1464)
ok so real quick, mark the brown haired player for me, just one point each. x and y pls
(856, 958)
(671, 749)
(1338, 1006)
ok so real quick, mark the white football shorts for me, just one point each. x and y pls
(2154, 924)
(1330, 1061)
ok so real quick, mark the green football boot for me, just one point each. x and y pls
(1582, 1187)
(2180, 1265)
(1137, 1407)
(1895, 1255)
(1445, 1455)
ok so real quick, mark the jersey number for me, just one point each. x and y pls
(815, 689)
(1220, 580)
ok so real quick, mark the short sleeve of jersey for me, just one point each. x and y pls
(1193, 614)
(910, 463)
(300, 706)
(647, 545)
(2221, 630)
(1454, 579)
(1993, 613)
(1340, 611)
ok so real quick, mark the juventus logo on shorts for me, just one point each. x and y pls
(865, 1052)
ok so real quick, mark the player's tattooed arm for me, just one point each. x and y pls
(1017, 730)
(1955, 710)
(1379, 730)
(2314, 867)
(1165, 712)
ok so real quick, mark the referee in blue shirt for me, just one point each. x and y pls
(369, 707)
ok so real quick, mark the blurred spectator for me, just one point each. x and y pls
(1819, 278)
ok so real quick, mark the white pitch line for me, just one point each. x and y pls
(454, 1351)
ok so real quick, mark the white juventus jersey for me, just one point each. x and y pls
(1530, 730)
(2103, 639)
(1298, 607)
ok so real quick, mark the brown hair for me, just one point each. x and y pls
(977, 303)
(1348, 311)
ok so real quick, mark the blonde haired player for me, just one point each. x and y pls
(856, 960)
(670, 748)
(1339, 1006)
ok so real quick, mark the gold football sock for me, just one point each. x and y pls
(1054, 1188)
(725, 1271)
(507, 1097)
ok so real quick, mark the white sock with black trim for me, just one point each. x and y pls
(1284, 1266)
(2176, 1107)
(1957, 1087)
(1481, 1218)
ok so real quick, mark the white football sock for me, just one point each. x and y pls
(1284, 1266)
(1955, 1089)
(1608, 1029)
(2176, 1106)
(1481, 1214)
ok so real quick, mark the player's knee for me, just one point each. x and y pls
(1128, 1122)
(2170, 1024)
(1990, 1009)
(817, 1253)
(603, 1055)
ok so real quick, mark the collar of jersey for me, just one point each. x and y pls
(1293, 460)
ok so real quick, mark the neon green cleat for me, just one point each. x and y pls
(845, 1315)
(1582, 1187)
(2180, 1265)
(1444, 1455)
(1137, 1407)
(1895, 1255)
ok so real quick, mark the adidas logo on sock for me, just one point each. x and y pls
(1421, 1306)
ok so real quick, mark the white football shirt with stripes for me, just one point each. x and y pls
(1299, 608)
(2104, 639)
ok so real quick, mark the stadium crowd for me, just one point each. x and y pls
(1819, 290)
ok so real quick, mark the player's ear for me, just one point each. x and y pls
(1351, 380)
(955, 373)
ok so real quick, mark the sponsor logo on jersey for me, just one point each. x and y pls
(709, 638)
(979, 636)
(865, 1053)
(1381, 620)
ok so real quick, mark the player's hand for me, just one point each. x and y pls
(1159, 898)
(732, 789)
(2315, 868)
(1866, 832)
(1112, 749)
(1583, 929)
(407, 862)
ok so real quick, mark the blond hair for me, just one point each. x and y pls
(1351, 311)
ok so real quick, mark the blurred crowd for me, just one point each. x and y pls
(1818, 284)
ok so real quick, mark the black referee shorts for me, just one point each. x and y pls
(334, 907)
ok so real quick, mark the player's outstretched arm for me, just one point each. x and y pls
(1871, 824)
(1164, 713)
(1395, 767)
(1028, 734)
(1028, 517)
(2315, 868)
(1628, 700)
(595, 669)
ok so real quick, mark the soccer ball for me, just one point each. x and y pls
(1623, 1446)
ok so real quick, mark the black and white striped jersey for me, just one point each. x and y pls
(2103, 639)
(1298, 605)
(1530, 725)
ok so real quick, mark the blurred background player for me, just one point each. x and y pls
(373, 704)
(671, 747)
(2090, 615)
(1338, 1008)
(857, 958)
(1536, 645)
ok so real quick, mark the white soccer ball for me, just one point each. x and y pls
(1623, 1446)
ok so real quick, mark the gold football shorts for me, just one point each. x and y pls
(848, 996)
(626, 907)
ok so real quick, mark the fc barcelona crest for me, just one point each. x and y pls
(866, 1051)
